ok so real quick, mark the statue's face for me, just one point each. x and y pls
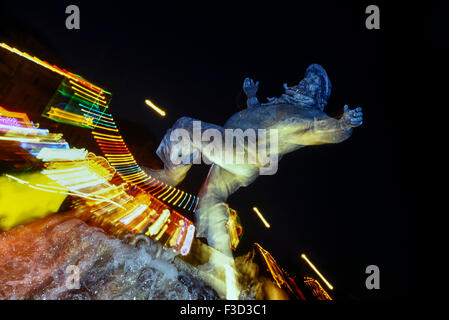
(313, 85)
(314, 89)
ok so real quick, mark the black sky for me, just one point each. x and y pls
(340, 204)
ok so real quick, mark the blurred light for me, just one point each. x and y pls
(157, 225)
(188, 240)
(317, 272)
(134, 214)
(261, 217)
(152, 106)
(161, 233)
(52, 154)
(16, 117)
(53, 68)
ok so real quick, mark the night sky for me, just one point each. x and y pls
(340, 204)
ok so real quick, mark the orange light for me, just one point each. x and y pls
(52, 68)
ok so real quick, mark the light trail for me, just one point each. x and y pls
(317, 272)
(54, 189)
(261, 217)
(155, 108)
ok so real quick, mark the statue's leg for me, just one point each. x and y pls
(212, 213)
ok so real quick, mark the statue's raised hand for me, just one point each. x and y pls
(250, 87)
(351, 118)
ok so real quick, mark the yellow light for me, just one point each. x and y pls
(157, 225)
(174, 237)
(107, 135)
(152, 106)
(119, 142)
(118, 155)
(174, 196)
(96, 98)
(101, 93)
(121, 163)
(317, 272)
(135, 175)
(66, 115)
(109, 119)
(169, 194)
(20, 203)
(165, 192)
(97, 102)
(133, 180)
(161, 233)
(261, 217)
(142, 181)
(177, 200)
(50, 67)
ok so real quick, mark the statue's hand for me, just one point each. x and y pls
(351, 118)
(250, 87)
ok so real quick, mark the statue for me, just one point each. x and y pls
(298, 119)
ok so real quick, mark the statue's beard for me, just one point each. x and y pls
(297, 97)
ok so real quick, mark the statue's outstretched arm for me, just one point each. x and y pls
(324, 129)
(250, 89)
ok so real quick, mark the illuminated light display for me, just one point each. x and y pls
(20, 139)
(188, 240)
(144, 222)
(9, 122)
(182, 233)
(11, 129)
(19, 118)
(80, 103)
(55, 189)
(95, 95)
(76, 104)
(134, 214)
(73, 177)
(267, 225)
(22, 199)
(53, 68)
(161, 195)
(118, 154)
(303, 256)
(157, 225)
(161, 233)
(53, 154)
(182, 192)
(174, 237)
(155, 108)
(80, 93)
(64, 116)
